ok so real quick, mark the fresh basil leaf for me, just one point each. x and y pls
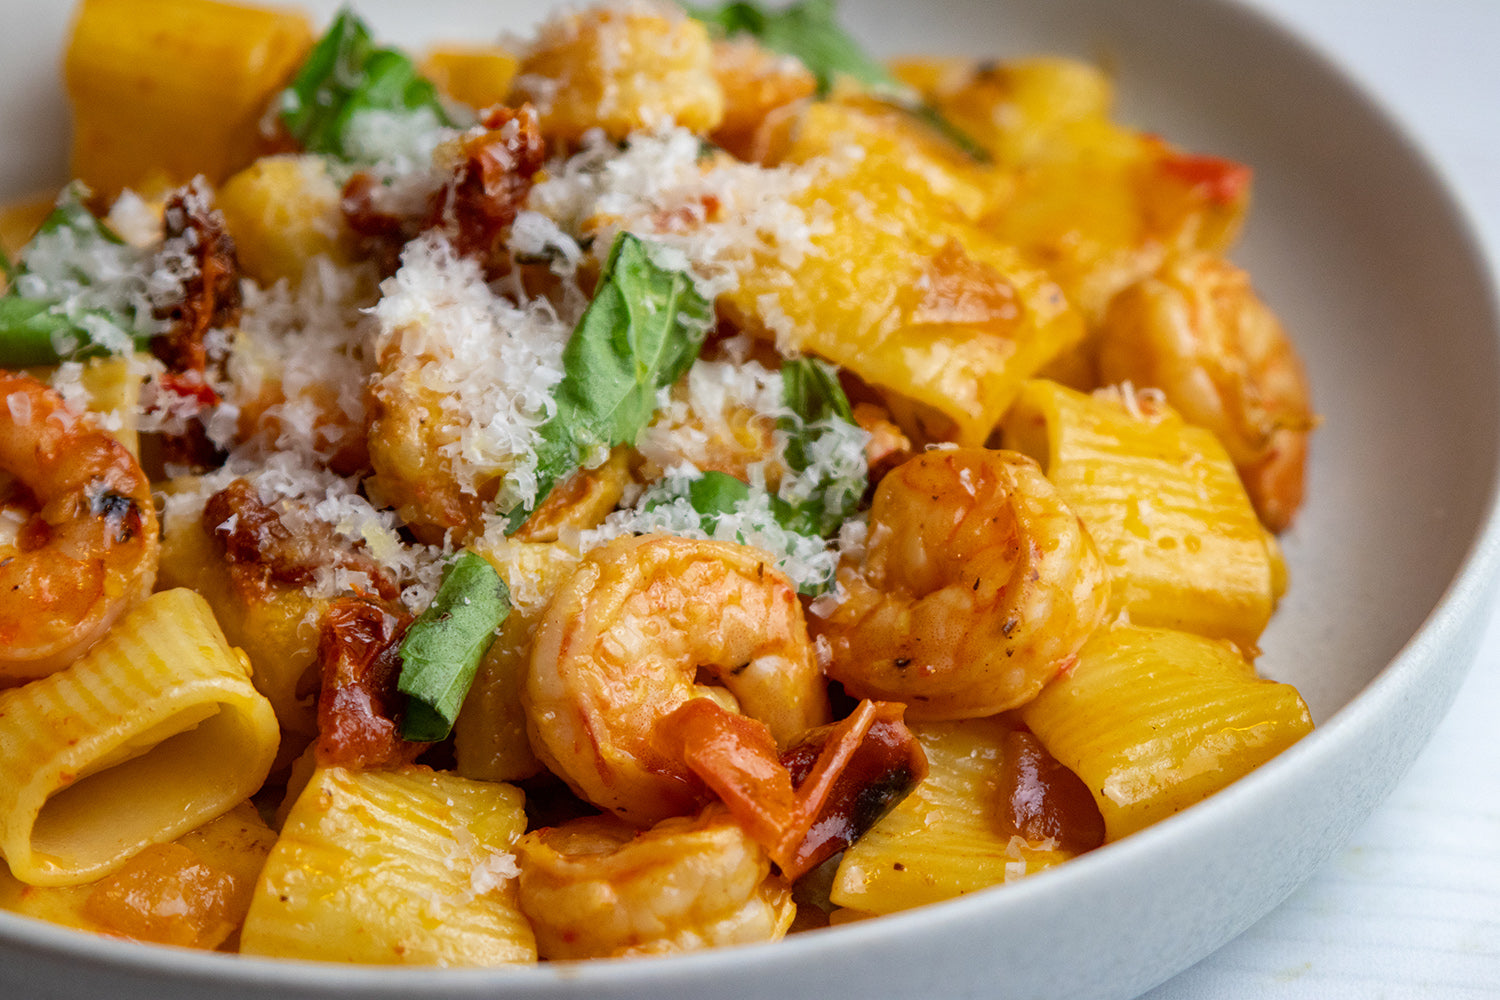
(810, 31)
(7, 266)
(715, 494)
(36, 330)
(347, 73)
(642, 330)
(811, 390)
(442, 649)
(712, 495)
(762, 519)
(934, 120)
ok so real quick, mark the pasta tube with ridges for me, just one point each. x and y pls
(1164, 504)
(394, 867)
(945, 839)
(154, 731)
(1154, 720)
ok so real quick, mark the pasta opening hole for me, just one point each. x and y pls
(165, 780)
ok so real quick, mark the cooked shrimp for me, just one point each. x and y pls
(87, 550)
(1198, 332)
(410, 440)
(640, 628)
(976, 588)
(598, 888)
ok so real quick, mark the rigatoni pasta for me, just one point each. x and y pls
(1153, 720)
(1163, 503)
(670, 482)
(154, 731)
(953, 835)
(213, 69)
(191, 892)
(409, 866)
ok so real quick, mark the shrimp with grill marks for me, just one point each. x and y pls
(644, 625)
(87, 543)
(977, 587)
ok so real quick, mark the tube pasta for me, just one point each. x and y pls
(390, 867)
(901, 288)
(477, 75)
(166, 89)
(945, 839)
(1163, 504)
(191, 892)
(1154, 720)
(155, 730)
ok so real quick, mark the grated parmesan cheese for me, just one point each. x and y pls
(696, 419)
(492, 362)
(714, 214)
(395, 142)
(109, 290)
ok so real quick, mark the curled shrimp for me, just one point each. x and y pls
(976, 588)
(1198, 332)
(594, 887)
(641, 627)
(87, 548)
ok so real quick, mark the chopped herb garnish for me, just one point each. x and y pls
(442, 649)
(47, 328)
(345, 74)
(642, 330)
(712, 495)
(827, 478)
(811, 390)
(36, 332)
(810, 31)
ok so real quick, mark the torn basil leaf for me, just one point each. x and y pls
(41, 321)
(810, 31)
(345, 74)
(826, 477)
(642, 330)
(441, 651)
(712, 495)
(37, 332)
(826, 493)
(700, 506)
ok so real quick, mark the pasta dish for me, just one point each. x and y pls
(662, 481)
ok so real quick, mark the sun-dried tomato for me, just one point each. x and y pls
(491, 180)
(211, 286)
(260, 548)
(359, 708)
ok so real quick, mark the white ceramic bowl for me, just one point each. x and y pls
(1356, 244)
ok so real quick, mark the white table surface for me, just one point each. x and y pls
(1411, 907)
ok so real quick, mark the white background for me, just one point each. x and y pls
(1411, 907)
